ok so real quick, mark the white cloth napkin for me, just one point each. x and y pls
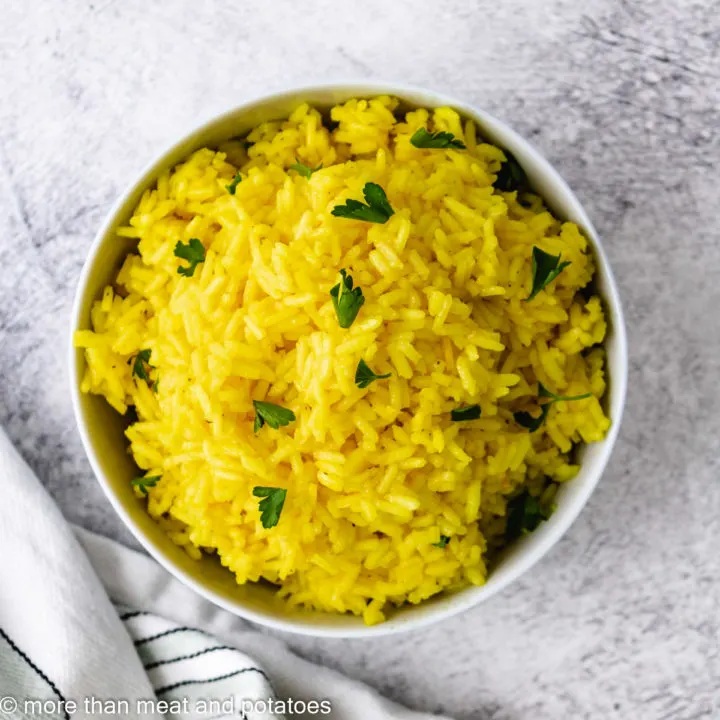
(67, 650)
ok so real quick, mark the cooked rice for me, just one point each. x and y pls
(374, 477)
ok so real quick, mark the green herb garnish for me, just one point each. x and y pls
(143, 483)
(364, 375)
(274, 415)
(423, 139)
(545, 393)
(346, 300)
(140, 365)
(377, 210)
(193, 252)
(304, 170)
(444, 540)
(524, 514)
(272, 504)
(526, 420)
(510, 176)
(545, 268)
(232, 187)
(472, 412)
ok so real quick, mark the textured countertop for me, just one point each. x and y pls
(622, 618)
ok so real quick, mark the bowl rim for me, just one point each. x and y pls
(529, 556)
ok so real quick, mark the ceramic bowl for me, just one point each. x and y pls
(102, 430)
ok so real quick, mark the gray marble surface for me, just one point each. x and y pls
(622, 619)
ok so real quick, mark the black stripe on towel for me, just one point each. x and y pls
(142, 641)
(185, 683)
(134, 613)
(52, 685)
(188, 657)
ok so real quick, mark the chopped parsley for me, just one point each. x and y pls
(304, 170)
(545, 268)
(444, 540)
(271, 505)
(423, 139)
(274, 415)
(510, 176)
(140, 365)
(232, 187)
(193, 252)
(526, 420)
(346, 300)
(545, 393)
(364, 375)
(143, 483)
(377, 210)
(524, 514)
(472, 412)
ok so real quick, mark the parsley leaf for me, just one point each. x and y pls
(193, 252)
(304, 170)
(346, 300)
(274, 415)
(526, 420)
(271, 505)
(232, 187)
(364, 375)
(138, 365)
(377, 210)
(423, 139)
(524, 514)
(472, 412)
(545, 393)
(510, 176)
(375, 197)
(545, 268)
(143, 483)
(444, 540)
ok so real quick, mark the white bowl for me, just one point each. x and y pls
(101, 429)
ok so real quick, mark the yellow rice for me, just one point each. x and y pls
(374, 477)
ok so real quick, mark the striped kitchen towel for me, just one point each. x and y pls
(91, 629)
